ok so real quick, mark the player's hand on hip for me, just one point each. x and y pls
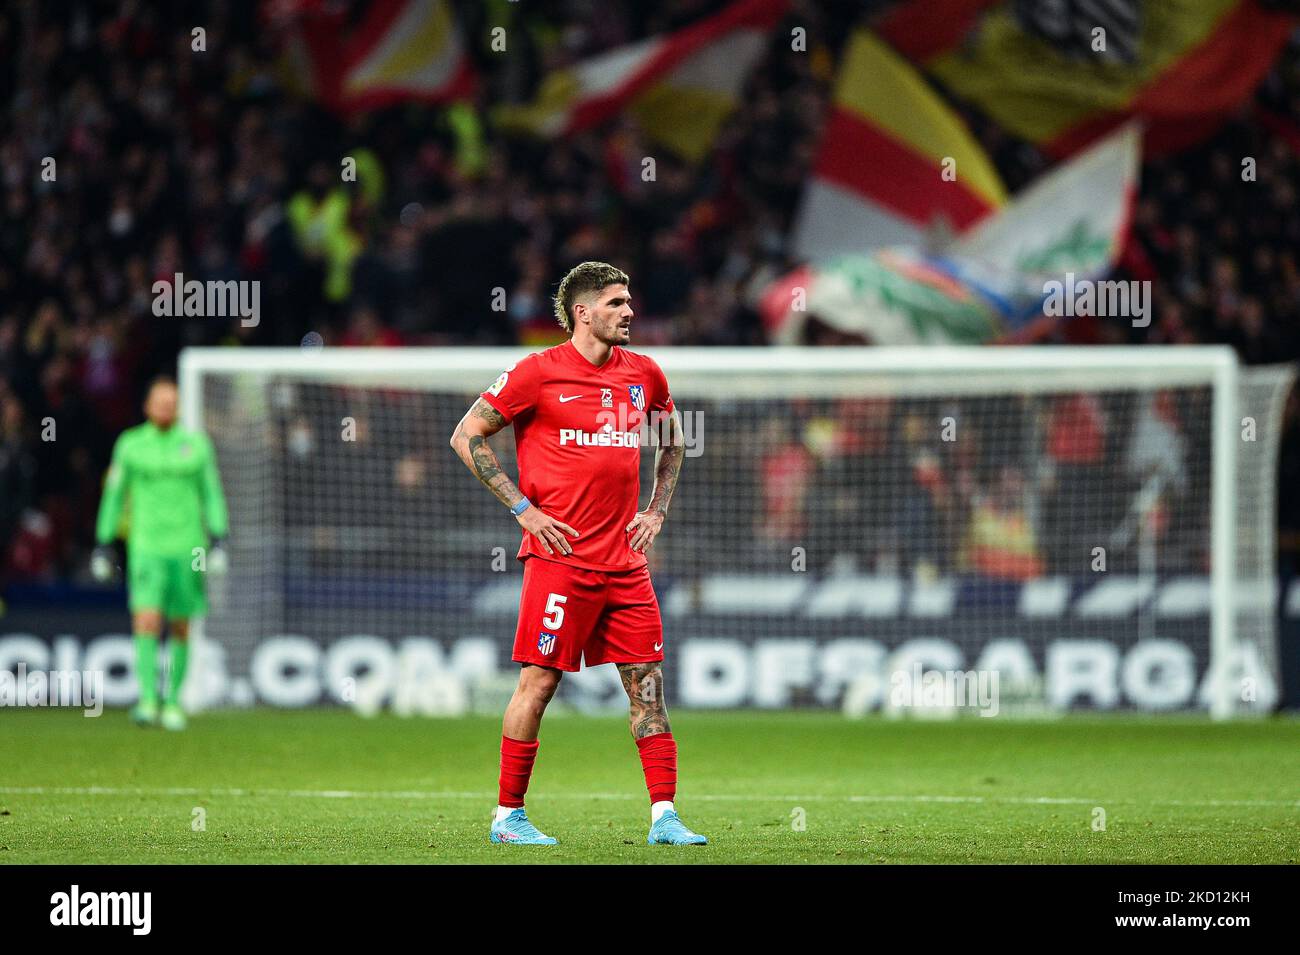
(547, 530)
(644, 528)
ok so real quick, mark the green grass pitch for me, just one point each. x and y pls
(328, 786)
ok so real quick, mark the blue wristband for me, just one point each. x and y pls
(523, 505)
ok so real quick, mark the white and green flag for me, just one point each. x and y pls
(987, 283)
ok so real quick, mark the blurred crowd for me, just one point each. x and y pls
(216, 166)
(1009, 488)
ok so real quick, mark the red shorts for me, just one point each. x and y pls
(569, 616)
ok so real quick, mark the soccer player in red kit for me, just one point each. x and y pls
(579, 410)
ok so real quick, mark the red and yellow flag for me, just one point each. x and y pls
(402, 50)
(1063, 74)
(894, 161)
(679, 86)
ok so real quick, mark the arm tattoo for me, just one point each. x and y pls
(488, 468)
(644, 685)
(668, 464)
(483, 461)
(489, 414)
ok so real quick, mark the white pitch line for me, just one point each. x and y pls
(748, 797)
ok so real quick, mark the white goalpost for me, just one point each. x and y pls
(1095, 525)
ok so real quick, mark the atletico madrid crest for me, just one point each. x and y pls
(637, 394)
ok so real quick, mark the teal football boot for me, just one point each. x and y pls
(671, 831)
(517, 830)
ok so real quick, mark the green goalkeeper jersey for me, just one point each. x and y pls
(167, 482)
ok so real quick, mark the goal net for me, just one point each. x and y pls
(1036, 529)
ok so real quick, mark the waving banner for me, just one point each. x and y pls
(1061, 74)
(679, 86)
(894, 163)
(988, 283)
(402, 50)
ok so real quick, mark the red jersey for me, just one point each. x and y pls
(578, 434)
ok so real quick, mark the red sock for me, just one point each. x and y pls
(659, 760)
(516, 766)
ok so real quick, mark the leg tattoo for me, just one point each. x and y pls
(644, 685)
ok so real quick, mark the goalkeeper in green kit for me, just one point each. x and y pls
(165, 477)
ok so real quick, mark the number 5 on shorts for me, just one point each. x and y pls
(554, 618)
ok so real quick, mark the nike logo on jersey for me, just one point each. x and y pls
(570, 398)
(658, 647)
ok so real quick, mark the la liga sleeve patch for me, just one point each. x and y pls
(515, 390)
